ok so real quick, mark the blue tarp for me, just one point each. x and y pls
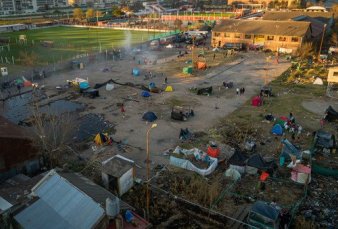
(149, 116)
(277, 129)
(136, 72)
(145, 94)
(84, 85)
(152, 85)
(289, 149)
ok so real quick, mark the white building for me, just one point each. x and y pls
(11, 7)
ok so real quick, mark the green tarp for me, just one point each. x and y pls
(187, 70)
(318, 169)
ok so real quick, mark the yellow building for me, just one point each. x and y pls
(285, 36)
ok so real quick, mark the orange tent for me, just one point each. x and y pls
(201, 65)
(213, 151)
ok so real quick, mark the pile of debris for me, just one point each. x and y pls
(321, 205)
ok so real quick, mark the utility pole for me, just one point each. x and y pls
(321, 42)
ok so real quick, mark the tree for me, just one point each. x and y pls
(334, 39)
(116, 11)
(78, 13)
(53, 133)
(90, 13)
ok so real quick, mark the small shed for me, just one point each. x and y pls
(118, 174)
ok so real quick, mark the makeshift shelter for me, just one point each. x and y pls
(187, 70)
(201, 65)
(330, 114)
(151, 85)
(318, 81)
(169, 89)
(185, 134)
(277, 129)
(83, 85)
(118, 174)
(256, 101)
(301, 174)
(145, 94)
(186, 164)
(136, 72)
(233, 174)
(289, 151)
(205, 91)
(237, 161)
(324, 139)
(264, 215)
(149, 116)
(256, 162)
(101, 138)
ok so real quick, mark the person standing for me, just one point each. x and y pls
(243, 90)
(237, 91)
(123, 110)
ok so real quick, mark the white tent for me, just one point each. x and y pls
(233, 174)
(318, 81)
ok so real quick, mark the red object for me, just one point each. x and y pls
(256, 101)
(284, 118)
(264, 176)
(213, 152)
(27, 83)
(122, 109)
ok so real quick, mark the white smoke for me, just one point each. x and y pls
(127, 39)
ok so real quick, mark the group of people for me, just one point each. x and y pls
(240, 91)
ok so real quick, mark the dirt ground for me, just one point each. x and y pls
(244, 70)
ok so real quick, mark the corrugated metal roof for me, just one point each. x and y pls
(61, 200)
(4, 204)
(93, 190)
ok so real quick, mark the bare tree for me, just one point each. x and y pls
(53, 133)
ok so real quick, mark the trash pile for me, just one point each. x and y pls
(321, 205)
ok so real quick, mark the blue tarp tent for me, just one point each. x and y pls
(136, 72)
(288, 151)
(84, 85)
(263, 215)
(152, 85)
(277, 129)
(145, 94)
(149, 116)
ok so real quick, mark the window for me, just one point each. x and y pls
(226, 34)
(237, 35)
(270, 38)
(259, 36)
(247, 36)
(217, 34)
(294, 39)
(282, 38)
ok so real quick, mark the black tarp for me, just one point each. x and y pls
(185, 134)
(204, 91)
(324, 139)
(258, 162)
(330, 114)
(266, 210)
(238, 159)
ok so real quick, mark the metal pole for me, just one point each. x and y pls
(148, 175)
(321, 42)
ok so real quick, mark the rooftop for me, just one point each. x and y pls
(58, 205)
(10, 130)
(116, 166)
(284, 16)
(283, 28)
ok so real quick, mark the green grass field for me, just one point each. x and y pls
(68, 42)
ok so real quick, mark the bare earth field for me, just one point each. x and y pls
(244, 70)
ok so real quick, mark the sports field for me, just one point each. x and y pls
(60, 43)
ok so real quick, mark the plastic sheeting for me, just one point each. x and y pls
(186, 164)
(109, 87)
(233, 174)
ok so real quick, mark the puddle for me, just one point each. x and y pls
(89, 125)
(20, 108)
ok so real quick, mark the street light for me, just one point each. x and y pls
(154, 125)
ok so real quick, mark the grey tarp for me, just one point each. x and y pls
(289, 149)
(266, 210)
(324, 139)
(258, 162)
(238, 159)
